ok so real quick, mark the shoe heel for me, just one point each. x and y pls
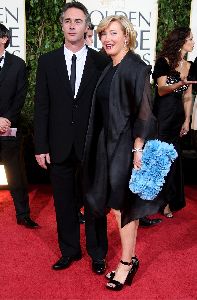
(129, 279)
(132, 273)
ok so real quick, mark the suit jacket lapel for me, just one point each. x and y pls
(87, 74)
(6, 66)
(61, 69)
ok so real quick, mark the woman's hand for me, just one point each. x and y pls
(137, 160)
(184, 128)
(184, 81)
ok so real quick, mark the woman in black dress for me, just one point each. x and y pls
(172, 107)
(121, 119)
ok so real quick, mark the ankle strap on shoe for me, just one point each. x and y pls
(134, 258)
(126, 263)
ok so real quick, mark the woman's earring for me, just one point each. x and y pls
(180, 50)
(125, 44)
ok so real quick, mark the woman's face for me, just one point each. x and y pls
(189, 43)
(113, 39)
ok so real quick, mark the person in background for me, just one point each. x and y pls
(121, 117)
(66, 79)
(172, 108)
(194, 112)
(13, 88)
(89, 35)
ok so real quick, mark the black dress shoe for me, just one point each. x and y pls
(145, 222)
(65, 261)
(27, 222)
(99, 266)
(81, 218)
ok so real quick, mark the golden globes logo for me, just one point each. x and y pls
(141, 22)
(12, 15)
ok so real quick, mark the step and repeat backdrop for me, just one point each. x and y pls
(12, 15)
(143, 14)
(193, 25)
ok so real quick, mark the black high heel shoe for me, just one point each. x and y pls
(167, 214)
(117, 286)
(135, 266)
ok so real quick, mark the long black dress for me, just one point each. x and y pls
(169, 111)
(121, 112)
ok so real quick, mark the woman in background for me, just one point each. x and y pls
(172, 107)
(194, 112)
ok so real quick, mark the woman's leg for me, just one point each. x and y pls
(128, 235)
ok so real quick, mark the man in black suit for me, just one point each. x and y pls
(13, 84)
(66, 79)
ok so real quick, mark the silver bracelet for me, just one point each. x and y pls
(137, 150)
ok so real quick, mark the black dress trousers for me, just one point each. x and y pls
(11, 155)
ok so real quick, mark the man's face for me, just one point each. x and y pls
(89, 37)
(3, 41)
(74, 26)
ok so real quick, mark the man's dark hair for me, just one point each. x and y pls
(4, 32)
(91, 26)
(75, 4)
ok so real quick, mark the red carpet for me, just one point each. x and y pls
(167, 253)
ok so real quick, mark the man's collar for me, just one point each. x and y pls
(68, 53)
(3, 54)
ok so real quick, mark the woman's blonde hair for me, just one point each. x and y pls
(127, 28)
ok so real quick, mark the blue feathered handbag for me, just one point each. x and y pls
(157, 158)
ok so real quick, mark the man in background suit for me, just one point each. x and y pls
(13, 84)
(66, 79)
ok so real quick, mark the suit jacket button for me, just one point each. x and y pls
(72, 122)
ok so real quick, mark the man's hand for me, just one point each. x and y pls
(43, 160)
(4, 124)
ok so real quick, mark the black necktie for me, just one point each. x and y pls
(73, 73)
(2, 57)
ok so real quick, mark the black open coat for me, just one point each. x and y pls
(108, 164)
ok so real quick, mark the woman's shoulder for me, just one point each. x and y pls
(162, 63)
(133, 62)
(161, 67)
(134, 57)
